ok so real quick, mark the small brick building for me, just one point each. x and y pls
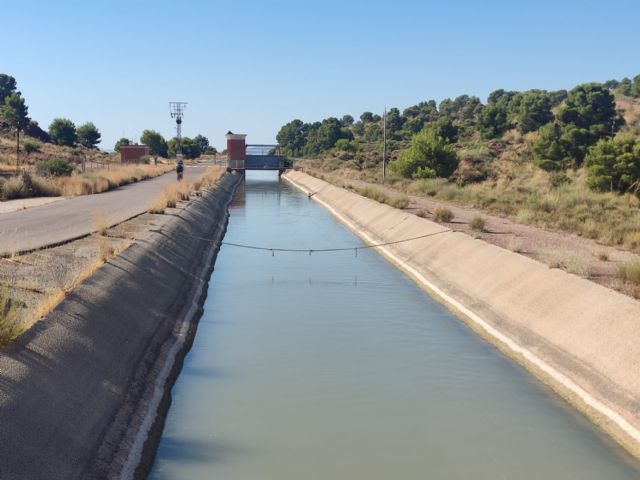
(236, 150)
(133, 153)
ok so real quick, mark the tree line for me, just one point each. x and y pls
(14, 116)
(573, 128)
(159, 147)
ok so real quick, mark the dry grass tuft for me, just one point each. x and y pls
(181, 191)
(101, 223)
(443, 214)
(478, 223)
(401, 201)
(630, 271)
(515, 244)
(11, 324)
(46, 306)
(211, 176)
(168, 198)
(575, 262)
(106, 251)
(373, 193)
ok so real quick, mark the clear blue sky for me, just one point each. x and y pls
(251, 66)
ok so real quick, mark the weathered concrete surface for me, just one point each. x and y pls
(579, 337)
(80, 390)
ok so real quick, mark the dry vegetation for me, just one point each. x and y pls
(181, 191)
(518, 193)
(32, 285)
(34, 150)
(443, 214)
(98, 181)
(395, 201)
(521, 192)
(10, 321)
(572, 261)
(478, 223)
(89, 182)
(630, 272)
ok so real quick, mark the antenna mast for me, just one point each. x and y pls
(177, 112)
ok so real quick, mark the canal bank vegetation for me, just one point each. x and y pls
(33, 284)
(58, 178)
(182, 191)
(565, 162)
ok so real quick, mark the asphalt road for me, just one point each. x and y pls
(66, 220)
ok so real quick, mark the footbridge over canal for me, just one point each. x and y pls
(242, 157)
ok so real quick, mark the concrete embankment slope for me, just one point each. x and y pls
(80, 391)
(579, 337)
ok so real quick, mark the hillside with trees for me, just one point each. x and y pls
(560, 127)
(564, 160)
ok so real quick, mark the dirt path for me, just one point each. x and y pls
(583, 256)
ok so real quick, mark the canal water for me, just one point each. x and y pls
(332, 366)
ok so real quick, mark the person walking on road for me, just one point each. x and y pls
(180, 169)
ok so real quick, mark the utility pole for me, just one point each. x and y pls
(177, 112)
(384, 145)
(17, 150)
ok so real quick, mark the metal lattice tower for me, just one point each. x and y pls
(177, 112)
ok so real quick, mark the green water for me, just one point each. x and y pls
(335, 367)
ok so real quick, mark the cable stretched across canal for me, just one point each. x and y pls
(311, 250)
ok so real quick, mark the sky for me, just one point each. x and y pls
(252, 66)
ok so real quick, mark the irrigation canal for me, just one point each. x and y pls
(335, 366)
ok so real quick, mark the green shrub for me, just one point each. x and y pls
(614, 165)
(478, 223)
(429, 156)
(30, 146)
(443, 214)
(558, 179)
(55, 167)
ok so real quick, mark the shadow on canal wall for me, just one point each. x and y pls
(578, 337)
(83, 394)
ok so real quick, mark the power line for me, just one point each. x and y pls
(307, 250)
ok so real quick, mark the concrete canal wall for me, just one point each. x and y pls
(575, 335)
(84, 392)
